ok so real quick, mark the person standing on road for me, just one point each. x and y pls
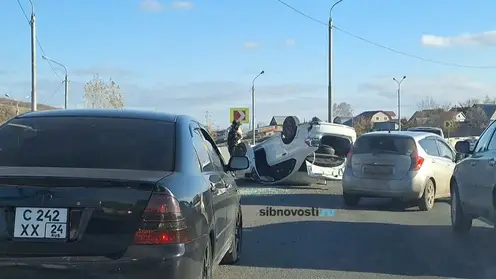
(234, 136)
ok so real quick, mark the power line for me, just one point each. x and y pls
(383, 46)
(38, 41)
(53, 93)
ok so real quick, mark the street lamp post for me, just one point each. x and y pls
(253, 106)
(399, 100)
(66, 81)
(330, 97)
(16, 101)
(32, 23)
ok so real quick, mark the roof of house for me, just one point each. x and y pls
(488, 109)
(277, 120)
(426, 113)
(368, 113)
(391, 113)
(341, 119)
(441, 118)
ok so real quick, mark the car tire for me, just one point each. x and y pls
(325, 149)
(232, 256)
(461, 223)
(289, 129)
(426, 202)
(351, 200)
(206, 272)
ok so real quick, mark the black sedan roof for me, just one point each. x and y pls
(115, 113)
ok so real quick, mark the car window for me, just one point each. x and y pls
(88, 142)
(216, 159)
(202, 151)
(384, 144)
(444, 150)
(434, 131)
(492, 142)
(430, 147)
(483, 141)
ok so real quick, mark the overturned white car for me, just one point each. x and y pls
(301, 154)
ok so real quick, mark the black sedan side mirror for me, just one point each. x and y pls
(463, 147)
(238, 163)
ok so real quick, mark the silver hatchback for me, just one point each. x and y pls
(404, 165)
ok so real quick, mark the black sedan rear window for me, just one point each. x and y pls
(88, 142)
(384, 144)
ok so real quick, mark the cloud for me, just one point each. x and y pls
(251, 45)
(484, 39)
(153, 6)
(182, 5)
(290, 42)
(444, 89)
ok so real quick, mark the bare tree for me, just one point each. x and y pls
(488, 100)
(6, 112)
(101, 94)
(362, 125)
(405, 124)
(476, 117)
(469, 102)
(430, 104)
(342, 109)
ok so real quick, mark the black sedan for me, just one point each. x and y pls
(115, 194)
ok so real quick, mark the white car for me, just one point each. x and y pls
(301, 154)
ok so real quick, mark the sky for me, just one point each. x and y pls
(199, 57)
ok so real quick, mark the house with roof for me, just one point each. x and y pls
(373, 116)
(488, 111)
(445, 119)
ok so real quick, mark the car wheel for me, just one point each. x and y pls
(461, 223)
(426, 202)
(350, 199)
(207, 262)
(325, 149)
(289, 129)
(232, 256)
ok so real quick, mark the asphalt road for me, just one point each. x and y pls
(379, 239)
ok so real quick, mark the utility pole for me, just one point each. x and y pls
(33, 59)
(399, 100)
(66, 81)
(253, 126)
(66, 92)
(330, 98)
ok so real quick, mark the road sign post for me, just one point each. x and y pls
(240, 114)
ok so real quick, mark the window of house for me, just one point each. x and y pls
(377, 118)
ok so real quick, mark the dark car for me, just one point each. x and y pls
(115, 194)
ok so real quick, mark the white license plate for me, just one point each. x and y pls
(34, 222)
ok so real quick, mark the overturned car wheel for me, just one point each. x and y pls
(289, 129)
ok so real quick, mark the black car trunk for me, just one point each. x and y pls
(331, 152)
(71, 212)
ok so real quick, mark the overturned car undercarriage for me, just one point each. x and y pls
(301, 154)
